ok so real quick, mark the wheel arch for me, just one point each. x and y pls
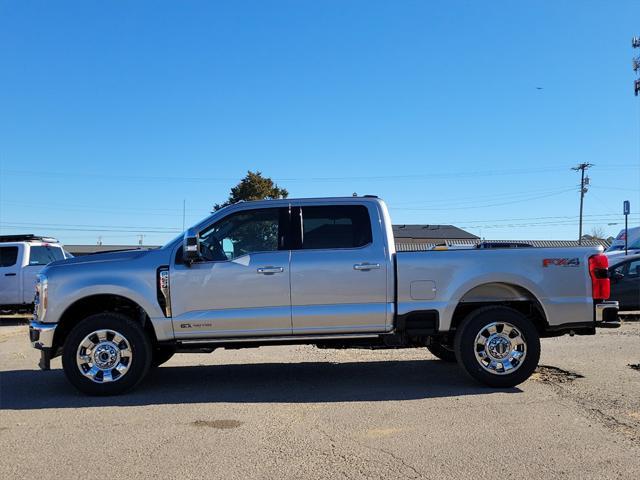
(100, 303)
(507, 294)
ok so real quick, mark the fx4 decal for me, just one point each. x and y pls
(561, 262)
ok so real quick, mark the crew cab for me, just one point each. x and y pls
(22, 257)
(312, 271)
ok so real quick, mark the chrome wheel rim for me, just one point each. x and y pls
(104, 356)
(500, 348)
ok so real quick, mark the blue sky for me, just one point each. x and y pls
(113, 113)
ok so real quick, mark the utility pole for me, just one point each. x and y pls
(140, 239)
(584, 187)
(635, 64)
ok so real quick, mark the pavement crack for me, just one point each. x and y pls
(396, 458)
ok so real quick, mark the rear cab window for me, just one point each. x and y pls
(44, 254)
(335, 227)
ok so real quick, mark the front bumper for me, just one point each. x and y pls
(41, 336)
(607, 314)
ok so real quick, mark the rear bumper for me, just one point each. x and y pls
(606, 315)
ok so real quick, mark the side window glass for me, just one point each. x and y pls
(8, 256)
(242, 233)
(634, 269)
(342, 226)
(620, 269)
(44, 254)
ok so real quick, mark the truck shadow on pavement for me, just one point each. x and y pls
(307, 382)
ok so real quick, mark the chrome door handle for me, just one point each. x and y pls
(366, 266)
(270, 270)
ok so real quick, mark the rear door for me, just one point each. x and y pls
(338, 271)
(10, 274)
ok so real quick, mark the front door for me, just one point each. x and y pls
(241, 286)
(10, 275)
(339, 272)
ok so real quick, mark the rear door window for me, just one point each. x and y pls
(42, 255)
(8, 256)
(336, 226)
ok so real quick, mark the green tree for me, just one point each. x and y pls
(254, 187)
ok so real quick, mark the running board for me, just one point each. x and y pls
(285, 338)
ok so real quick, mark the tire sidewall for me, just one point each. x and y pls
(442, 352)
(140, 353)
(465, 345)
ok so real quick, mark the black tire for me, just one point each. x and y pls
(442, 351)
(474, 325)
(137, 363)
(161, 355)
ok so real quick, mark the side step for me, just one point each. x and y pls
(279, 339)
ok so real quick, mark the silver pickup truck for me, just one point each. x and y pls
(312, 271)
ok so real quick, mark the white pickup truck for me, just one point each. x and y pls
(312, 271)
(22, 257)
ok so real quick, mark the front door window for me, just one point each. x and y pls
(242, 233)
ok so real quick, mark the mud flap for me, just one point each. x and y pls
(45, 359)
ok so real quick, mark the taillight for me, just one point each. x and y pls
(598, 270)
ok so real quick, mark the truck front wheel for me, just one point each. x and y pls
(161, 355)
(106, 354)
(497, 346)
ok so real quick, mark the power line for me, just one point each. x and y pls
(472, 206)
(406, 176)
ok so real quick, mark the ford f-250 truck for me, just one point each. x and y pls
(312, 271)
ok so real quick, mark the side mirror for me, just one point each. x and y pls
(190, 247)
(615, 276)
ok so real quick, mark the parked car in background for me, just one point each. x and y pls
(625, 282)
(633, 243)
(22, 257)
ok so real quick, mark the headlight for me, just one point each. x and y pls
(40, 300)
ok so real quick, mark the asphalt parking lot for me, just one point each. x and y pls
(299, 412)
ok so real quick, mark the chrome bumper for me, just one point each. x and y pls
(607, 314)
(41, 334)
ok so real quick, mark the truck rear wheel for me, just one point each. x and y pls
(442, 351)
(106, 354)
(497, 346)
